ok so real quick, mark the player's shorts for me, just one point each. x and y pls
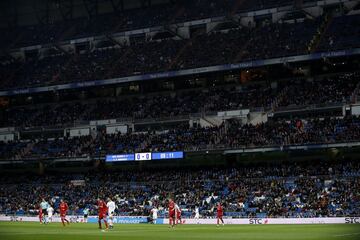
(85, 215)
(44, 212)
(102, 215)
(197, 216)
(111, 214)
(62, 214)
(50, 215)
(172, 214)
(178, 215)
(220, 215)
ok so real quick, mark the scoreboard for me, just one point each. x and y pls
(144, 156)
(167, 155)
(120, 158)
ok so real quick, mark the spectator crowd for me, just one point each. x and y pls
(231, 134)
(233, 46)
(149, 56)
(319, 189)
(290, 190)
(329, 90)
(219, 46)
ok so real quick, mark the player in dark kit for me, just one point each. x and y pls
(102, 210)
(171, 212)
(219, 214)
(63, 210)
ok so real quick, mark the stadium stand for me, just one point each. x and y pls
(328, 90)
(183, 137)
(288, 190)
(156, 56)
(342, 33)
(156, 15)
(302, 108)
(284, 39)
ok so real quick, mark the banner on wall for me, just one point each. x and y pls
(122, 219)
(243, 221)
(55, 219)
(258, 221)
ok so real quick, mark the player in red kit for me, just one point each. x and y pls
(102, 209)
(40, 215)
(171, 212)
(220, 214)
(63, 210)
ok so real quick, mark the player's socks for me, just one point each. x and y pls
(100, 224)
(106, 224)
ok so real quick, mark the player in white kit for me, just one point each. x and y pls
(50, 212)
(111, 210)
(154, 213)
(178, 214)
(197, 214)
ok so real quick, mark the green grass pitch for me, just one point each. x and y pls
(81, 231)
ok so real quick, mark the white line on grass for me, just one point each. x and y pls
(347, 234)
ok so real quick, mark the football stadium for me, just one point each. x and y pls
(180, 119)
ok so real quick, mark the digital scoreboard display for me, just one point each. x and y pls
(167, 155)
(120, 158)
(145, 156)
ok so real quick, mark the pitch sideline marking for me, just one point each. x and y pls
(347, 234)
